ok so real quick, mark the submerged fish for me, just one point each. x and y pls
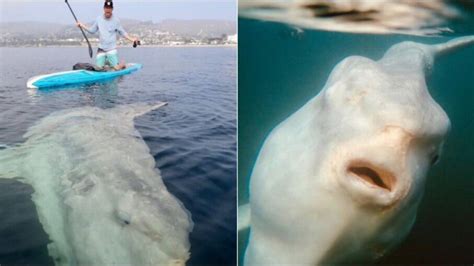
(97, 192)
(340, 180)
(363, 16)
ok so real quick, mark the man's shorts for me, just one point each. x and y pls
(110, 58)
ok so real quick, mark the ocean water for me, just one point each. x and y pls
(192, 139)
(282, 67)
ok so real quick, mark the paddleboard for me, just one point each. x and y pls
(77, 77)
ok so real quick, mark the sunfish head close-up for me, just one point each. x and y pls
(97, 192)
(340, 180)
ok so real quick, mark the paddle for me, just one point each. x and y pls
(83, 33)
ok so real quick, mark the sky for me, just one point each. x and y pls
(87, 10)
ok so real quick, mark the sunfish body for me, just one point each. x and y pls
(97, 192)
(340, 180)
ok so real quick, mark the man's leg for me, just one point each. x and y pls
(100, 60)
(113, 60)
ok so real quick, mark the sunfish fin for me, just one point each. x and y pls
(137, 109)
(412, 56)
(9, 162)
(453, 45)
(244, 217)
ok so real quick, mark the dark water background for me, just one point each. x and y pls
(192, 139)
(281, 68)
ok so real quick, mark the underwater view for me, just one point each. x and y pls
(135, 170)
(289, 140)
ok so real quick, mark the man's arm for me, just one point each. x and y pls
(123, 33)
(93, 29)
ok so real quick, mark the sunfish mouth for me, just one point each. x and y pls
(373, 176)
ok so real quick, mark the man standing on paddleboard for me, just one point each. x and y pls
(108, 27)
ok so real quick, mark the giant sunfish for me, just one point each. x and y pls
(97, 192)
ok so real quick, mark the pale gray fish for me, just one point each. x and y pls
(340, 180)
(97, 191)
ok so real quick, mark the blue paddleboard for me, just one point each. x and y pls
(77, 77)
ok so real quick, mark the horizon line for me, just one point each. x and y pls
(122, 19)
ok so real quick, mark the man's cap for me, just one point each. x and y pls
(109, 4)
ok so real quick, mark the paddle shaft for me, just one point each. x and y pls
(82, 30)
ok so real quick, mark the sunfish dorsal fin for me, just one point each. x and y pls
(452, 45)
(137, 109)
(412, 56)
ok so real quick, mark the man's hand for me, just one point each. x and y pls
(120, 66)
(132, 39)
(80, 25)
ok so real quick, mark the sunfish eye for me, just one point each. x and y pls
(434, 159)
(123, 217)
